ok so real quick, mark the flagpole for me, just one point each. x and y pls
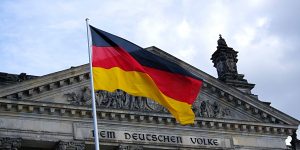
(92, 87)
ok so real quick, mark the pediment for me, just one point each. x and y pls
(207, 104)
(216, 99)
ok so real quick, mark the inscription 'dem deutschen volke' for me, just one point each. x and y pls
(157, 138)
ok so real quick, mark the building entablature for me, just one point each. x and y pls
(82, 113)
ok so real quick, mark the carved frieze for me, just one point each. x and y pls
(122, 100)
(119, 99)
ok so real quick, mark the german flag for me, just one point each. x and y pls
(120, 64)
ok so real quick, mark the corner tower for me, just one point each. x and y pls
(225, 59)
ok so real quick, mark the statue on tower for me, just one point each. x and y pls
(225, 60)
(221, 41)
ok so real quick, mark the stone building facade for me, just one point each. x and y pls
(53, 112)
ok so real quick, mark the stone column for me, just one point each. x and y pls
(129, 147)
(7, 143)
(72, 145)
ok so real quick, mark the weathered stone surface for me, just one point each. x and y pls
(259, 142)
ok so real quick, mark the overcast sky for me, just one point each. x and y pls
(42, 37)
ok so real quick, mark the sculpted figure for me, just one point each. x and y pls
(221, 41)
(86, 95)
(100, 96)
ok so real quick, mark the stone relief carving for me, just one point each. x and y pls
(82, 97)
(70, 145)
(205, 107)
(231, 65)
(226, 66)
(210, 109)
(117, 100)
(121, 100)
(7, 143)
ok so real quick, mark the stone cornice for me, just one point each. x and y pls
(57, 79)
(60, 111)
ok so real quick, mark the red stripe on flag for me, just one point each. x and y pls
(108, 57)
(176, 86)
(179, 87)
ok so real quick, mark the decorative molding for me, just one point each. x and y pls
(108, 114)
(38, 85)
